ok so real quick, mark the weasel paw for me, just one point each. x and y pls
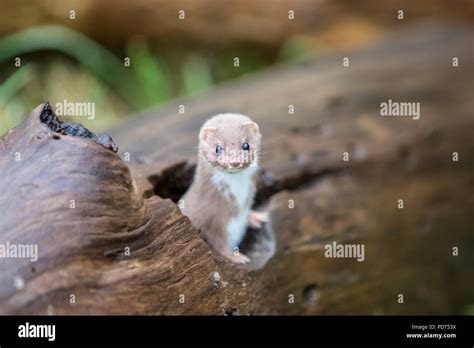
(257, 218)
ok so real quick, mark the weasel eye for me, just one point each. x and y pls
(219, 149)
(246, 146)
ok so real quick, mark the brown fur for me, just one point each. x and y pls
(209, 206)
(209, 209)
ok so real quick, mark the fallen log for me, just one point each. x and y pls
(111, 239)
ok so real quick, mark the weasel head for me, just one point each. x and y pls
(230, 142)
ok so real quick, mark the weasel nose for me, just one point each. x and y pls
(234, 164)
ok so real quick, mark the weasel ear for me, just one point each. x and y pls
(207, 132)
(251, 127)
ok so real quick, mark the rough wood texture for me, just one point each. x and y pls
(408, 251)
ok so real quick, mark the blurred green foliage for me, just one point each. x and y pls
(58, 63)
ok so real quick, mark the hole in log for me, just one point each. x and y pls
(48, 117)
(174, 181)
(267, 186)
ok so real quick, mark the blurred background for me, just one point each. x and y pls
(75, 50)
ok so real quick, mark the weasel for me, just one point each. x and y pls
(219, 200)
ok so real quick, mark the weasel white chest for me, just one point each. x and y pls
(239, 187)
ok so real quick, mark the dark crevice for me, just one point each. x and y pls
(48, 117)
(174, 181)
(267, 187)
